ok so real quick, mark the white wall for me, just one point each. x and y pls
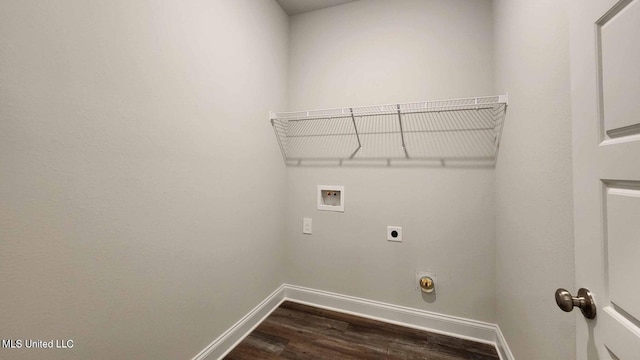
(533, 178)
(378, 51)
(141, 207)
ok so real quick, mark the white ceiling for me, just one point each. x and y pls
(294, 7)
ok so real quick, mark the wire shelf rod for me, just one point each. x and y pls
(424, 158)
(393, 132)
(471, 101)
(386, 112)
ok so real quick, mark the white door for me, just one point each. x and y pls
(605, 85)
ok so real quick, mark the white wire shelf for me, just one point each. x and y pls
(443, 132)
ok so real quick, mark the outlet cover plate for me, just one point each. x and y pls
(307, 226)
(394, 230)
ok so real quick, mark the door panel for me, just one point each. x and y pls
(623, 246)
(618, 336)
(619, 33)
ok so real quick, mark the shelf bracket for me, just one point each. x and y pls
(404, 148)
(355, 128)
(275, 130)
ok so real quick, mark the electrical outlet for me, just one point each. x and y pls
(394, 233)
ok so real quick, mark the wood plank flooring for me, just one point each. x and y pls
(296, 331)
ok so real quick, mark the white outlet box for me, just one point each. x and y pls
(394, 233)
(331, 198)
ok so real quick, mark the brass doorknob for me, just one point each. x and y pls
(426, 284)
(584, 301)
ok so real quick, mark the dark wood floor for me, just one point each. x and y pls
(295, 331)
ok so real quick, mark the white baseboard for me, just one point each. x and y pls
(418, 319)
(503, 348)
(221, 346)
